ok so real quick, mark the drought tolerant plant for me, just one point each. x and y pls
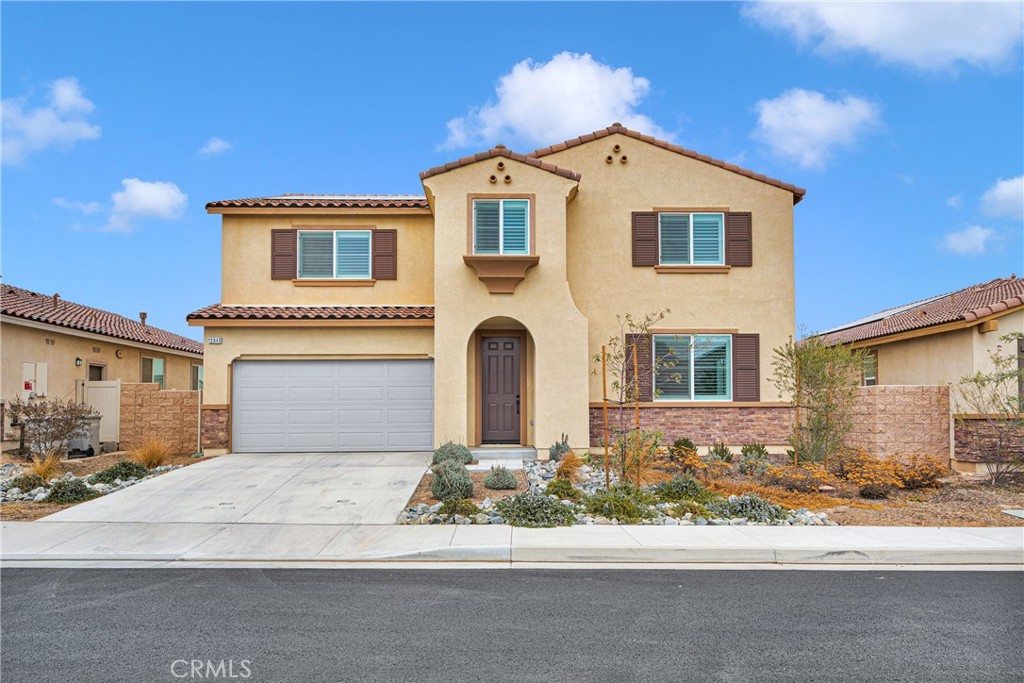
(560, 448)
(689, 507)
(451, 480)
(682, 487)
(569, 467)
(450, 450)
(534, 510)
(873, 478)
(123, 470)
(644, 462)
(749, 506)
(152, 453)
(47, 427)
(806, 478)
(624, 502)
(719, 451)
(990, 411)
(500, 479)
(46, 467)
(754, 459)
(458, 506)
(789, 499)
(27, 482)
(564, 489)
(70, 491)
(919, 471)
(680, 446)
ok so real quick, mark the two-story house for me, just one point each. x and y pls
(474, 312)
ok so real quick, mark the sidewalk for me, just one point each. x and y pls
(189, 544)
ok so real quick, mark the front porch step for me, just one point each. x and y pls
(503, 453)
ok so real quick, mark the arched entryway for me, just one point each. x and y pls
(500, 359)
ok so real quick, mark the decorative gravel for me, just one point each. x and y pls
(39, 494)
(591, 480)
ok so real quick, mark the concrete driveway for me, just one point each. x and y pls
(266, 488)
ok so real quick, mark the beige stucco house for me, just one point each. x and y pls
(49, 345)
(473, 312)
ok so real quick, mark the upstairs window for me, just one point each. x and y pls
(335, 255)
(501, 226)
(693, 367)
(691, 239)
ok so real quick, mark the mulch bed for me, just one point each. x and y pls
(422, 493)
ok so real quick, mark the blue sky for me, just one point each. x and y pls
(904, 123)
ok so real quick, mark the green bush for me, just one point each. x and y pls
(689, 506)
(754, 460)
(624, 502)
(451, 480)
(26, 482)
(720, 451)
(564, 489)
(535, 511)
(754, 450)
(459, 506)
(123, 470)
(749, 506)
(559, 448)
(500, 479)
(679, 444)
(682, 487)
(452, 451)
(70, 491)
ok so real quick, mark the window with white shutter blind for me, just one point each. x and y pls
(335, 254)
(691, 239)
(501, 226)
(693, 367)
(316, 257)
(352, 255)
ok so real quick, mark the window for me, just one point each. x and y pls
(153, 371)
(335, 254)
(97, 372)
(691, 239)
(501, 226)
(197, 378)
(695, 367)
(871, 368)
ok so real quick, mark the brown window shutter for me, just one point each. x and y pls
(283, 254)
(645, 238)
(739, 244)
(644, 365)
(1020, 368)
(385, 254)
(746, 367)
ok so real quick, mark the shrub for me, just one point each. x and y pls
(750, 506)
(624, 502)
(643, 461)
(682, 487)
(789, 499)
(754, 460)
(451, 480)
(690, 507)
(569, 467)
(152, 453)
(564, 489)
(70, 491)
(48, 426)
(754, 450)
(458, 506)
(500, 479)
(452, 451)
(124, 470)
(680, 446)
(719, 451)
(919, 471)
(805, 478)
(27, 482)
(874, 478)
(534, 510)
(559, 448)
(46, 467)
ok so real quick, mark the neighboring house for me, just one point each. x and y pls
(49, 345)
(474, 312)
(938, 340)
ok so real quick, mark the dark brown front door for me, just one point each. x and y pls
(500, 389)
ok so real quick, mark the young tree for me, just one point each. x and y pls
(821, 382)
(995, 402)
(49, 426)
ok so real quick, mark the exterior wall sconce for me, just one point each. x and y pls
(78, 362)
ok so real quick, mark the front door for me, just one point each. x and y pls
(500, 389)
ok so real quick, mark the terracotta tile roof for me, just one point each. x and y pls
(965, 305)
(249, 312)
(327, 201)
(798, 192)
(500, 151)
(22, 303)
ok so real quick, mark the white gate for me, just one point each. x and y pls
(105, 398)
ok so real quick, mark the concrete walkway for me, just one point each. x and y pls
(212, 544)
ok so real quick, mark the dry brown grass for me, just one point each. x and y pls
(569, 467)
(787, 499)
(46, 467)
(151, 454)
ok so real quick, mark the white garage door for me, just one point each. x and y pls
(284, 406)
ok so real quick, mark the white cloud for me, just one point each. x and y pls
(923, 35)
(1005, 199)
(956, 201)
(214, 146)
(141, 199)
(805, 126)
(547, 102)
(59, 123)
(86, 208)
(972, 240)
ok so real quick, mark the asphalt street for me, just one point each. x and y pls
(307, 626)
